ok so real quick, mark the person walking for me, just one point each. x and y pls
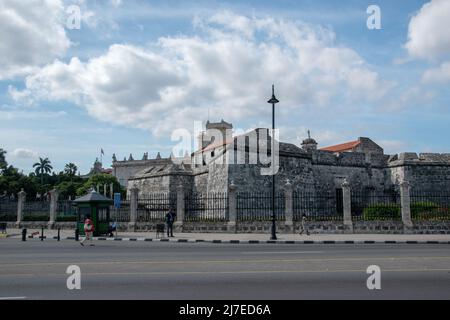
(170, 219)
(88, 230)
(303, 226)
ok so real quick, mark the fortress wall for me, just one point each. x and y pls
(248, 177)
(201, 183)
(150, 185)
(328, 178)
(217, 179)
(425, 177)
(124, 171)
(351, 159)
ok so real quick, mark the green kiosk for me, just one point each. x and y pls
(97, 206)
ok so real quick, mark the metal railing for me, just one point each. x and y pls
(316, 206)
(258, 206)
(121, 214)
(36, 210)
(430, 206)
(211, 207)
(155, 206)
(370, 206)
(8, 210)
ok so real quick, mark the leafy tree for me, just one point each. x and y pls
(12, 181)
(3, 163)
(68, 188)
(42, 167)
(70, 169)
(99, 179)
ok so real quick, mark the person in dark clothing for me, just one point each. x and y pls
(170, 219)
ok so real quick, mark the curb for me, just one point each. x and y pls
(218, 241)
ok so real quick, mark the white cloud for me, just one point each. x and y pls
(440, 74)
(20, 114)
(31, 35)
(228, 67)
(24, 153)
(116, 3)
(428, 34)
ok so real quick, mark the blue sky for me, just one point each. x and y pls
(138, 70)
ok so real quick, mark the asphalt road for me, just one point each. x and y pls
(158, 270)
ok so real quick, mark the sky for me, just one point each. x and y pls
(132, 73)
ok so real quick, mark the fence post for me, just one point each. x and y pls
(347, 204)
(21, 197)
(232, 207)
(180, 209)
(289, 209)
(54, 194)
(133, 208)
(405, 201)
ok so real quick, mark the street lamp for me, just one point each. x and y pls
(273, 101)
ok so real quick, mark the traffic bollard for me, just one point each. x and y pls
(24, 234)
(59, 235)
(42, 234)
(77, 234)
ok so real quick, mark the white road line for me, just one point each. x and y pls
(281, 252)
(12, 298)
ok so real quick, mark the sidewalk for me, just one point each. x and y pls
(248, 237)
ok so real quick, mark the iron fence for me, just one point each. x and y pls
(66, 211)
(121, 214)
(8, 210)
(36, 210)
(258, 206)
(430, 205)
(370, 206)
(323, 206)
(210, 207)
(155, 206)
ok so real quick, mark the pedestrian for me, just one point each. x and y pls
(88, 230)
(111, 229)
(170, 218)
(303, 226)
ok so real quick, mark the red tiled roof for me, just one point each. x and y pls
(216, 145)
(342, 147)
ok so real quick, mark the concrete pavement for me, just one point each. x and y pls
(255, 237)
(160, 270)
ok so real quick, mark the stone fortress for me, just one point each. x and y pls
(212, 168)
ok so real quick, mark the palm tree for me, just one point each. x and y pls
(3, 163)
(43, 166)
(70, 169)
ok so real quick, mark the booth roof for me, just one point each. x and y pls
(93, 196)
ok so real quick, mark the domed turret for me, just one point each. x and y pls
(309, 144)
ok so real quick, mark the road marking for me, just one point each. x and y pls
(224, 261)
(12, 298)
(280, 252)
(159, 273)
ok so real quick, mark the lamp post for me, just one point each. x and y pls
(273, 101)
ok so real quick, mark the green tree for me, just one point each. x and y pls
(12, 181)
(70, 169)
(3, 163)
(68, 188)
(42, 167)
(99, 180)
